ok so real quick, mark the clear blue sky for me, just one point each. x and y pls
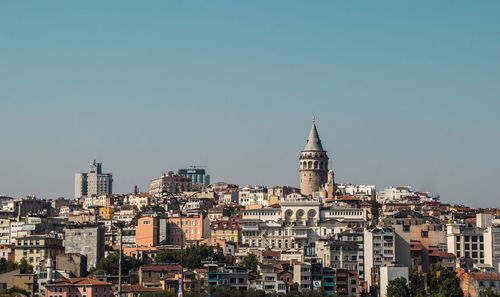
(405, 92)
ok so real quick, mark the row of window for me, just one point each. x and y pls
(345, 213)
(474, 238)
(258, 243)
(474, 246)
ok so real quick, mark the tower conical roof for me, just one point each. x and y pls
(313, 141)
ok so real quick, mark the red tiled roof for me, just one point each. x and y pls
(161, 268)
(271, 253)
(446, 255)
(78, 281)
(471, 220)
(228, 224)
(483, 276)
(347, 198)
(416, 246)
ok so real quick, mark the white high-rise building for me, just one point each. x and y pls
(379, 249)
(94, 182)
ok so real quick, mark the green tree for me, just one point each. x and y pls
(375, 211)
(14, 290)
(250, 262)
(110, 264)
(7, 266)
(255, 293)
(417, 285)
(398, 288)
(168, 257)
(445, 283)
(489, 293)
(315, 293)
(192, 256)
(24, 267)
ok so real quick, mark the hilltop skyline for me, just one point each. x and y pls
(404, 93)
(143, 187)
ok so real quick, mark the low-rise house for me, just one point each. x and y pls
(26, 282)
(74, 263)
(152, 275)
(67, 287)
(233, 277)
(136, 290)
(271, 282)
(473, 283)
(226, 230)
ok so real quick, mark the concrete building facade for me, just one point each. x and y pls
(170, 182)
(388, 273)
(94, 182)
(87, 240)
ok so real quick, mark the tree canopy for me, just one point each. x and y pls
(7, 266)
(489, 293)
(192, 256)
(445, 283)
(250, 262)
(417, 285)
(25, 267)
(110, 264)
(398, 287)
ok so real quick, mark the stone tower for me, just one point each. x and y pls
(313, 162)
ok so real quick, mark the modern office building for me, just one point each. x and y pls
(94, 182)
(197, 175)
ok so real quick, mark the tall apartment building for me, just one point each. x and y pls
(4, 231)
(355, 236)
(154, 230)
(36, 248)
(94, 182)
(466, 241)
(338, 254)
(197, 175)
(379, 249)
(492, 247)
(482, 245)
(87, 240)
